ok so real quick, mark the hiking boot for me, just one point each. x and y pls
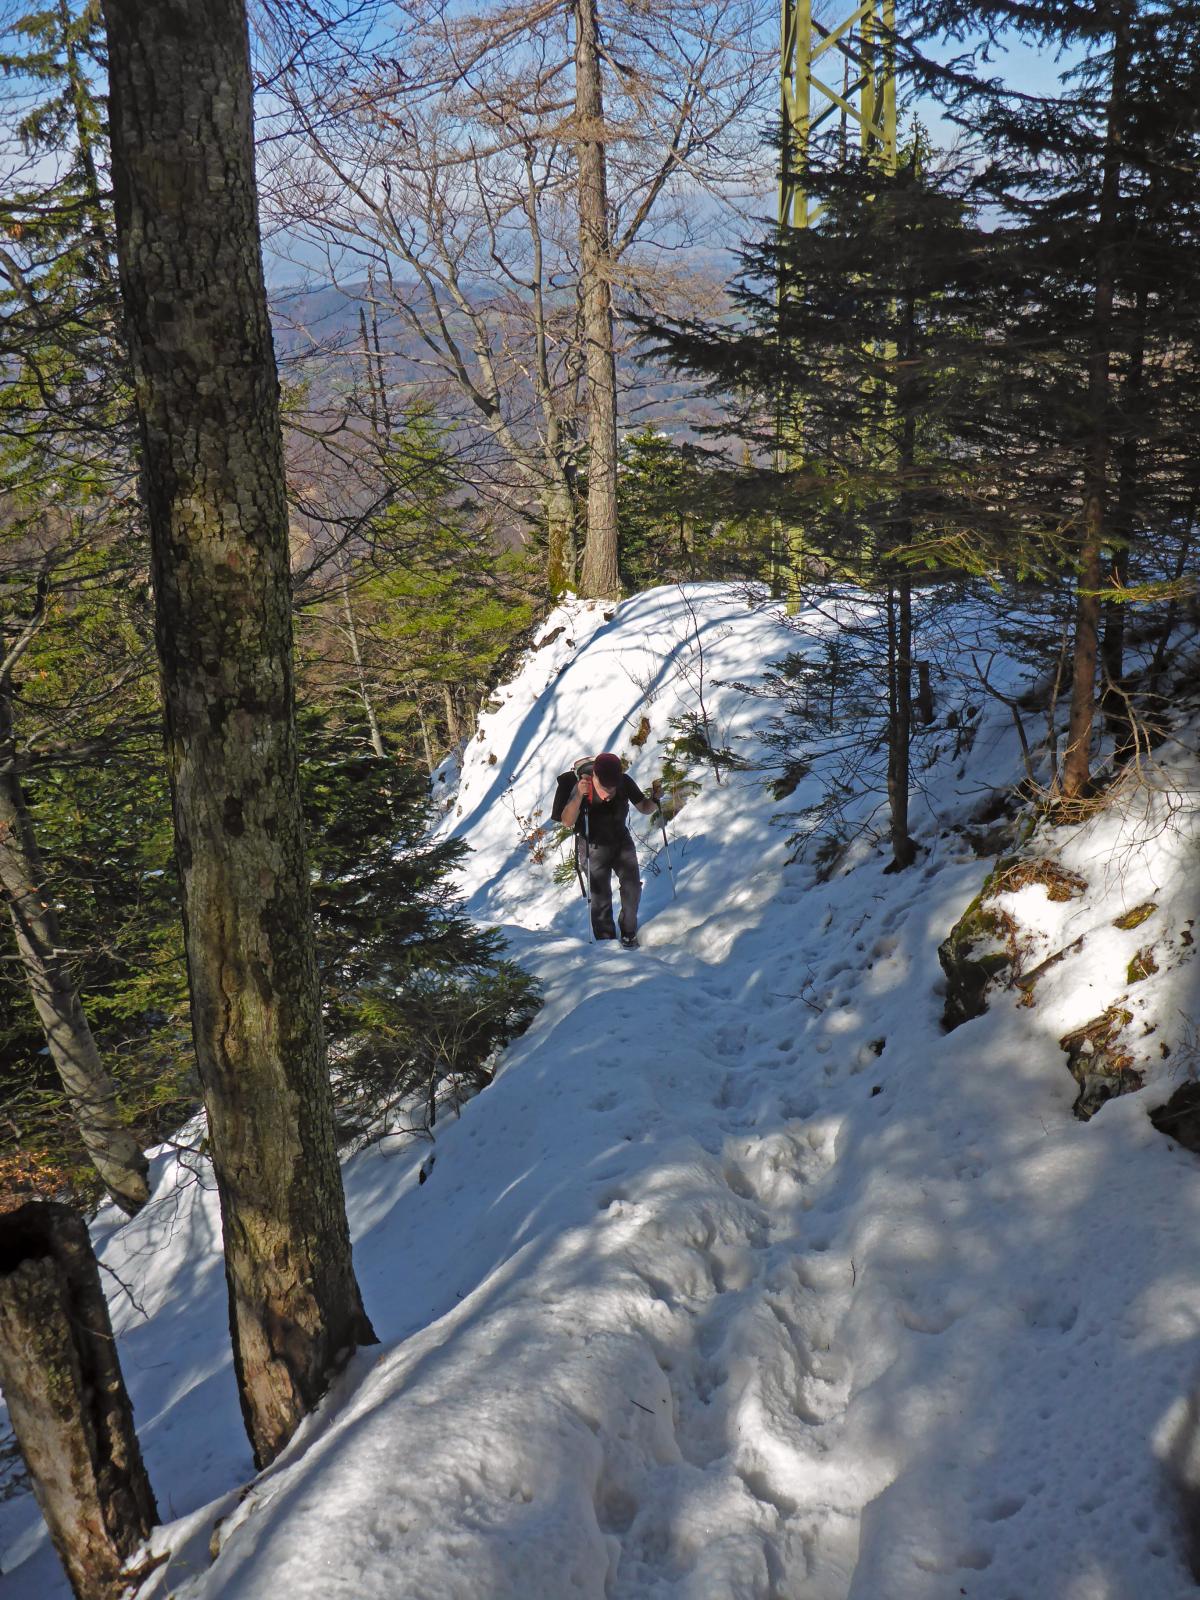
(629, 941)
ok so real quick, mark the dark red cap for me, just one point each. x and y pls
(607, 767)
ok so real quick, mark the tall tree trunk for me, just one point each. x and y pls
(1171, 617)
(114, 1150)
(562, 553)
(924, 693)
(213, 479)
(424, 726)
(66, 1397)
(1114, 695)
(1076, 767)
(364, 691)
(600, 577)
(454, 731)
(900, 401)
(899, 734)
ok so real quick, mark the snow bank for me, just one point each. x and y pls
(743, 1281)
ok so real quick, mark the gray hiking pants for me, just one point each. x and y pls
(604, 860)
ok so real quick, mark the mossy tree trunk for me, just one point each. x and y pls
(65, 1394)
(561, 539)
(213, 479)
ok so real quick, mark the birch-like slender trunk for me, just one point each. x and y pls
(454, 732)
(424, 726)
(207, 396)
(364, 689)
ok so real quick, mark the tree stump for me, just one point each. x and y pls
(66, 1396)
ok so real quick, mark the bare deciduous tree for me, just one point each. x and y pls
(460, 186)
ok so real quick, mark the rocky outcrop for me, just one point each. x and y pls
(1100, 1062)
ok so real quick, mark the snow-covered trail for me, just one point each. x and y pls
(743, 1281)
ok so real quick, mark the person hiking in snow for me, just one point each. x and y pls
(597, 809)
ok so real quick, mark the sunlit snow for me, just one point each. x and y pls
(743, 1281)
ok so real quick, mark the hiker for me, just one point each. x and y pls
(603, 843)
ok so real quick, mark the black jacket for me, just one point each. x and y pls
(606, 819)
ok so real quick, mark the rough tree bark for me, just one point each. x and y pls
(599, 577)
(66, 1397)
(1076, 767)
(899, 732)
(899, 606)
(112, 1146)
(562, 554)
(1114, 693)
(213, 481)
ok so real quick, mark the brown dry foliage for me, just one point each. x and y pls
(28, 1175)
(1058, 882)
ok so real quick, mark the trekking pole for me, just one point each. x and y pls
(662, 822)
(579, 877)
(587, 869)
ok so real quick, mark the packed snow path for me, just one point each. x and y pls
(743, 1281)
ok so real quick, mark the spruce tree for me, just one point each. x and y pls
(859, 371)
(1093, 248)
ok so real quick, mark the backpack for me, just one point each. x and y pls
(566, 787)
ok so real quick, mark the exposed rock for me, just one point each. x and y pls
(1028, 981)
(793, 774)
(1099, 1064)
(993, 824)
(1179, 1119)
(986, 842)
(976, 951)
(982, 946)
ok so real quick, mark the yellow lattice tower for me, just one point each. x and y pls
(860, 45)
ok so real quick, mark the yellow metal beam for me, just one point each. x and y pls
(863, 37)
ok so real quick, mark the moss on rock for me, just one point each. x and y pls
(1135, 918)
(976, 951)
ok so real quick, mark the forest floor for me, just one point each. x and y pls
(744, 1280)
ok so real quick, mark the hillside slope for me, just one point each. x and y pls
(744, 1280)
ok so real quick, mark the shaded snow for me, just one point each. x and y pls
(743, 1281)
